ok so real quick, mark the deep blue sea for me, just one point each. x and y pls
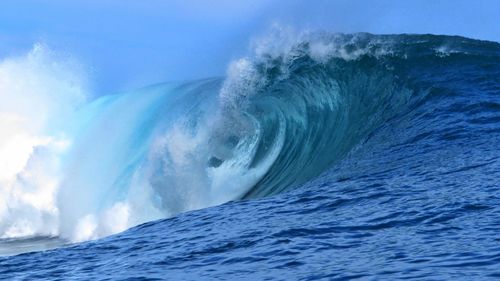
(328, 157)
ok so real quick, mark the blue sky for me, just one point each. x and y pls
(127, 44)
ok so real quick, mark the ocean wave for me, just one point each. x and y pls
(283, 115)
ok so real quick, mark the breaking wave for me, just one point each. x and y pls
(82, 169)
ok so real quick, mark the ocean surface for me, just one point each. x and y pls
(319, 157)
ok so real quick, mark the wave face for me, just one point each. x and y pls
(356, 128)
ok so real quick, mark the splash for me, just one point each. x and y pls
(38, 91)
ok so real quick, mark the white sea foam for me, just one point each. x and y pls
(37, 92)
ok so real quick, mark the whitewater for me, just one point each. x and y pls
(319, 155)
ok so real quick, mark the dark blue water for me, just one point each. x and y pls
(389, 169)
